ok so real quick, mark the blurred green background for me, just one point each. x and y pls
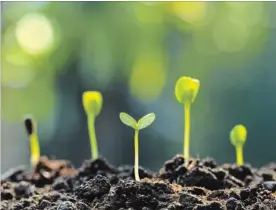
(133, 52)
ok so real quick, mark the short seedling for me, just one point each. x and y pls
(92, 103)
(30, 126)
(238, 138)
(141, 124)
(186, 90)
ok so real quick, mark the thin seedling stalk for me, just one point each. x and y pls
(92, 136)
(136, 152)
(187, 114)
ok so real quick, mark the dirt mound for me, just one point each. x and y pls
(201, 185)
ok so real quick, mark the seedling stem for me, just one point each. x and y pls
(35, 150)
(239, 153)
(187, 112)
(136, 152)
(92, 136)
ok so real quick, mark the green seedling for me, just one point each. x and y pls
(238, 137)
(31, 129)
(141, 124)
(186, 90)
(92, 103)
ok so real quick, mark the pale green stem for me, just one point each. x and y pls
(239, 153)
(136, 153)
(92, 136)
(35, 150)
(187, 111)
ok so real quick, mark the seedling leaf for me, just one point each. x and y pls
(29, 125)
(146, 121)
(186, 89)
(238, 135)
(92, 102)
(128, 120)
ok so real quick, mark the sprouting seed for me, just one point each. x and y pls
(238, 137)
(186, 90)
(144, 122)
(92, 103)
(31, 129)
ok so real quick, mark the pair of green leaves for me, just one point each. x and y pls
(141, 124)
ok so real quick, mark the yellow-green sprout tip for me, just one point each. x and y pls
(30, 126)
(92, 103)
(238, 137)
(186, 89)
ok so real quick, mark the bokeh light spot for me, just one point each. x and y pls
(189, 11)
(34, 33)
(148, 77)
(230, 37)
(148, 14)
(17, 70)
(251, 13)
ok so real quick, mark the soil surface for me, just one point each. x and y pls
(202, 185)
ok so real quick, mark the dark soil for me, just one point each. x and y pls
(202, 185)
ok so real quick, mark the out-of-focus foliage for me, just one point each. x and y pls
(136, 38)
(133, 52)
